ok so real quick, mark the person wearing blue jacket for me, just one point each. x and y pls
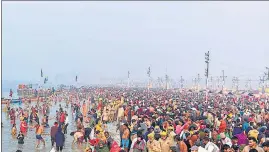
(59, 139)
(245, 125)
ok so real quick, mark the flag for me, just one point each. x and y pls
(41, 73)
(76, 78)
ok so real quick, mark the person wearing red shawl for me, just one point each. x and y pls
(99, 107)
(23, 126)
(222, 126)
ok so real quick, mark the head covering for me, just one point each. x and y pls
(207, 131)
(151, 135)
(151, 127)
(170, 128)
(163, 133)
(60, 128)
(222, 135)
(93, 142)
(133, 132)
(194, 148)
(101, 142)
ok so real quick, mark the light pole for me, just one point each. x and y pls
(207, 67)
(207, 71)
(223, 79)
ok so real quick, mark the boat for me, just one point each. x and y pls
(16, 101)
(5, 101)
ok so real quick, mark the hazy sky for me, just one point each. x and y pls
(101, 40)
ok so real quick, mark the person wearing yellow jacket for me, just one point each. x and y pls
(152, 144)
(165, 142)
(171, 134)
(98, 127)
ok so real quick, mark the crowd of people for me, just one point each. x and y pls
(152, 120)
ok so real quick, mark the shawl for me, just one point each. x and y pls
(139, 145)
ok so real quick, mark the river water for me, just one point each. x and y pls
(10, 144)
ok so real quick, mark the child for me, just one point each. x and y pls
(20, 138)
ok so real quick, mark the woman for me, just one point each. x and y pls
(139, 145)
(78, 137)
(102, 147)
(23, 126)
(59, 139)
(181, 146)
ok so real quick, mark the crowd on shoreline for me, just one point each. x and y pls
(149, 120)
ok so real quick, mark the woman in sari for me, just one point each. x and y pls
(23, 126)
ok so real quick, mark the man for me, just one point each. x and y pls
(235, 145)
(225, 140)
(165, 142)
(53, 131)
(265, 146)
(152, 144)
(109, 140)
(125, 137)
(252, 144)
(209, 146)
(226, 148)
(39, 132)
